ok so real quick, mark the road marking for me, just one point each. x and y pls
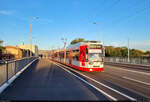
(131, 70)
(103, 85)
(6, 84)
(135, 80)
(111, 97)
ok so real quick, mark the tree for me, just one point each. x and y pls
(1, 49)
(108, 51)
(111, 51)
(124, 51)
(1, 41)
(136, 53)
(77, 40)
(147, 53)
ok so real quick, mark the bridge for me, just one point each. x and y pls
(42, 79)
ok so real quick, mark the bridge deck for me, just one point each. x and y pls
(45, 81)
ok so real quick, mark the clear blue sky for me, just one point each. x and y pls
(118, 19)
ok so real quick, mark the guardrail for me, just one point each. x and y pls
(143, 61)
(9, 68)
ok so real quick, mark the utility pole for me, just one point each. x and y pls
(104, 48)
(128, 52)
(31, 36)
(65, 42)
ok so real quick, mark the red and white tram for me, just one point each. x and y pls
(85, 56)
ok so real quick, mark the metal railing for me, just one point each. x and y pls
(9, 68)
(144, 61)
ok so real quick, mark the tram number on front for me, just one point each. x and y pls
(93, 46)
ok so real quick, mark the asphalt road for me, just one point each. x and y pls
(129, 83)
(48, 80)
(43, 80)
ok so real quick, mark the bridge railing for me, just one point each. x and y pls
(144, 61)
(9, 68)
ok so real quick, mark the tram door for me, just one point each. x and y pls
(70, 57)
(83, 54)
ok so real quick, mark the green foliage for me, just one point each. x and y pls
(124, 51)
(136, 53)
(77, 40)
(1, 41)
(111, 51)
(147, 53)
(1, 49)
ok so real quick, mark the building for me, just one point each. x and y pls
(1, 52)
(28, 47)
(44, 53)
(12, 52)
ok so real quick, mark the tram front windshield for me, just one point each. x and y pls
(95, 56)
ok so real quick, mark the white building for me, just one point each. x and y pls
(32, 48)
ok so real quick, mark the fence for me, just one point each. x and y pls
(145, 61)
(9, 68)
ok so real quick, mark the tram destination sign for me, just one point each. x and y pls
(95, 46)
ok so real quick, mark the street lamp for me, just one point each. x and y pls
(128, 52)
(65, 42)
(98, 30)
(31, 33)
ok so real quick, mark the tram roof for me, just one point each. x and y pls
(83, 43)
(78, 44)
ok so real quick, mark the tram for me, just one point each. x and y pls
(85, 56)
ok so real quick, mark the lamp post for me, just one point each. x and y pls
(98, 30)
(31, 34)
(128, 52)
(65, 42)
(104, 48)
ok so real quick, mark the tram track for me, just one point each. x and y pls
(145, 68)
(131, 88)
(117, 95)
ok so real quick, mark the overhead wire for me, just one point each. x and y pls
(131, 15)
(108, 8)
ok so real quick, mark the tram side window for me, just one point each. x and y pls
(67, 54)
(62, 54)
(72, 54)
(86, 54)
(75, 55)
(55, 55)
(83, 55)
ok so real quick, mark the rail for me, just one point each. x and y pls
(135, 61)
(10, 68)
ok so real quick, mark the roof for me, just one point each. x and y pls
(76, 46)
(83, 43)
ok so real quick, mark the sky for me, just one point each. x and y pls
(117, 21)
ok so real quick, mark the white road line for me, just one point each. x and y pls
(135, 80)
(104, 85)
(132, 71)
(114, 99)
(5, 85)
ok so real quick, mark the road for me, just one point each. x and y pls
(48, 80)
(123, 83)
